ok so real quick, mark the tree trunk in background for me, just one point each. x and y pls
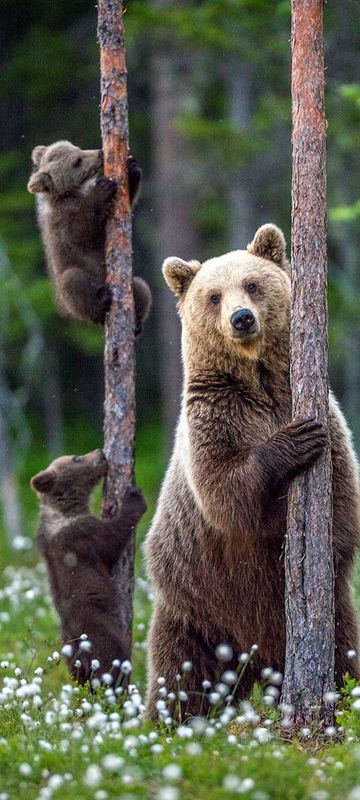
(239, 80)
(175, 229)
(52, 403)
(119, 356)
(343, 61)
(351, 351)
(8, 481)
(309, 668)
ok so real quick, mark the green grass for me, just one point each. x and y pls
(58, 740)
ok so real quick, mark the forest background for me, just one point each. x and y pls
(210, 123)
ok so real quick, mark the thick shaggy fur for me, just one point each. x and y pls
(80, 551)
(215, 548)
(73, 204)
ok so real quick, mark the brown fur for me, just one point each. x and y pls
(73, 205)
(80, 551)
(215, 546)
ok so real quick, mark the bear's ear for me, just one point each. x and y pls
(269, 243)
(44, 481)
(179, 274)
(37, 154)
(39, 182)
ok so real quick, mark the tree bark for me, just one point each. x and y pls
(119, 358)
(309, 668)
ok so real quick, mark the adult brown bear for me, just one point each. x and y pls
(215, 546)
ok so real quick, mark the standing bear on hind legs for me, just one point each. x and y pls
(214, 550)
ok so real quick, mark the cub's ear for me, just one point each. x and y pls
(269, 243)
(39, 182)
(37, 154)
(179, 274)
(44, 481)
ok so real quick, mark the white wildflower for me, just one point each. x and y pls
(187, 666)
(67, 650)
(168, 793)
(172, 772)
(25, 770)
(224, 652)
(92, 775)
(112, 762)
(85, 646)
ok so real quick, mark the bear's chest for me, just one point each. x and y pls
(255, 414)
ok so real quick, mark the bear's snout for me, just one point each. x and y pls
(243, 321)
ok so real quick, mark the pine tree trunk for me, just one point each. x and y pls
(241, 90)
(176, 231)
(119, 423)
(309, 669)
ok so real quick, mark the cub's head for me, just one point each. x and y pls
(238, 303)
(62, 169)
(68, 481)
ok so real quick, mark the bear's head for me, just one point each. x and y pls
(62, 168)
(237, 304)
(66, 484)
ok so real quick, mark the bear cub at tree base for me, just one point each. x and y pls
(74, 200)
(215, 547)
(80, 552)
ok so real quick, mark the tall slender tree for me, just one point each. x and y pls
(119, 358)
(309, 669)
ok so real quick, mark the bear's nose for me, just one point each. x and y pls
(242, 320)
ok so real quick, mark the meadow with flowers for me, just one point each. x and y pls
(62, 740)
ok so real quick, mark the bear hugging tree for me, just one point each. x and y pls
(215, 548)
(80, 552)
(74, 201)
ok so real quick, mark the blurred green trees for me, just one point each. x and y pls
(209, 95)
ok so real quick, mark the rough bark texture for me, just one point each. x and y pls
(309, 669)
(119, 421)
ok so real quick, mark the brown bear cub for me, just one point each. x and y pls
(74, 201)
(215, 548)
(80, 552)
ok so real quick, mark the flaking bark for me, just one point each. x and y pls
(309, 669)
(119, 359)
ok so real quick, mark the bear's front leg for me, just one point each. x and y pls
(101, 199)
(81, 298)
(110, 536)
(235, 495)
(291, 450)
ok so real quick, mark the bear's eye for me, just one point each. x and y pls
(78, 162)
(215, 298)
(77, 460)
(251, 288)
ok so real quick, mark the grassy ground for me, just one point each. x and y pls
(58, 740)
